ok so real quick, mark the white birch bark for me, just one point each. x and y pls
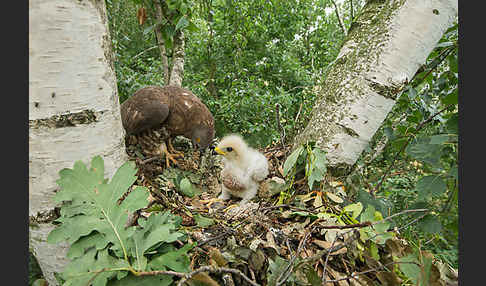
(74, 113)
(385, 46)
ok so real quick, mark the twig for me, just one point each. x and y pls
(400, 213)
(162, 272)
(225, 233)
(289, 207)
(412, 222)
(351, 8)
(282, 131)
(150, 160)
(363, 224)
(290, 266)
(298, 113)
(354, 237)
(354, 275)
(212, 269)
(96, 273)
(368, 223)
(339, 18)
(447, 51)
(325, 262)
(183, 275)
(144, 51)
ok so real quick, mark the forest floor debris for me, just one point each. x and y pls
(268, 242)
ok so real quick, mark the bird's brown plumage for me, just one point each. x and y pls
(174, 108)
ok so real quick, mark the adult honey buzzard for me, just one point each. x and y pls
(157, 114)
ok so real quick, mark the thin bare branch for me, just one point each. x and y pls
(351, 9)
(338, 17)
(419, 127)
(325, 262)
(213, 269)
(280, 128)
(289, 270)
(144, 51)
(355, 275)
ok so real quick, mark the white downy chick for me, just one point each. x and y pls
(244, 168)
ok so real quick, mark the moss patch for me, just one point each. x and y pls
(66, 120)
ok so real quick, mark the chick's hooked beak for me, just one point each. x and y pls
(217, 151)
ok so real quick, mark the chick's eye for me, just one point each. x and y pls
(229, 149)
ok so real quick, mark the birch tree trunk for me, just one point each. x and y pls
(74, 113)
(386, 45)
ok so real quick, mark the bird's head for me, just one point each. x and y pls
(202, 136)
(232, 147)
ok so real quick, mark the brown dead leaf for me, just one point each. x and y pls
(361, 280)
(394, 247)
(202, 278)
(306, 253)
(141, 15)
(434, 278)
(317, 201)
(279, 153)
(337, 275)
(257, 260)
(388, 278)
(327, 245)
(334, 197)
(270, 243)
(371, 262)
(216, 255)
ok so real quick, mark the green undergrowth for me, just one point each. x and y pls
(103, 249)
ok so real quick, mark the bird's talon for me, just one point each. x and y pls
(230, 207)
(209, 202)
(171, 158)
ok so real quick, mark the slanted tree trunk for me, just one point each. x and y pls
(74, 113)
(387, 43)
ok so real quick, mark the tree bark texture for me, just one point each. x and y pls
(160, 42)
(386, 44)
(177, 71)
(74, 112)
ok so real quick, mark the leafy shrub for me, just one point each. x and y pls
(102, 248)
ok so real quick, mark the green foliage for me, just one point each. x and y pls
(183, 181)
(103, 249)
(203, 221)
(291, 161)
(35, 273)
(241, 58)
(250, 55)
(306, 158)
(417, 266)
(276, 269)
(379, 232)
